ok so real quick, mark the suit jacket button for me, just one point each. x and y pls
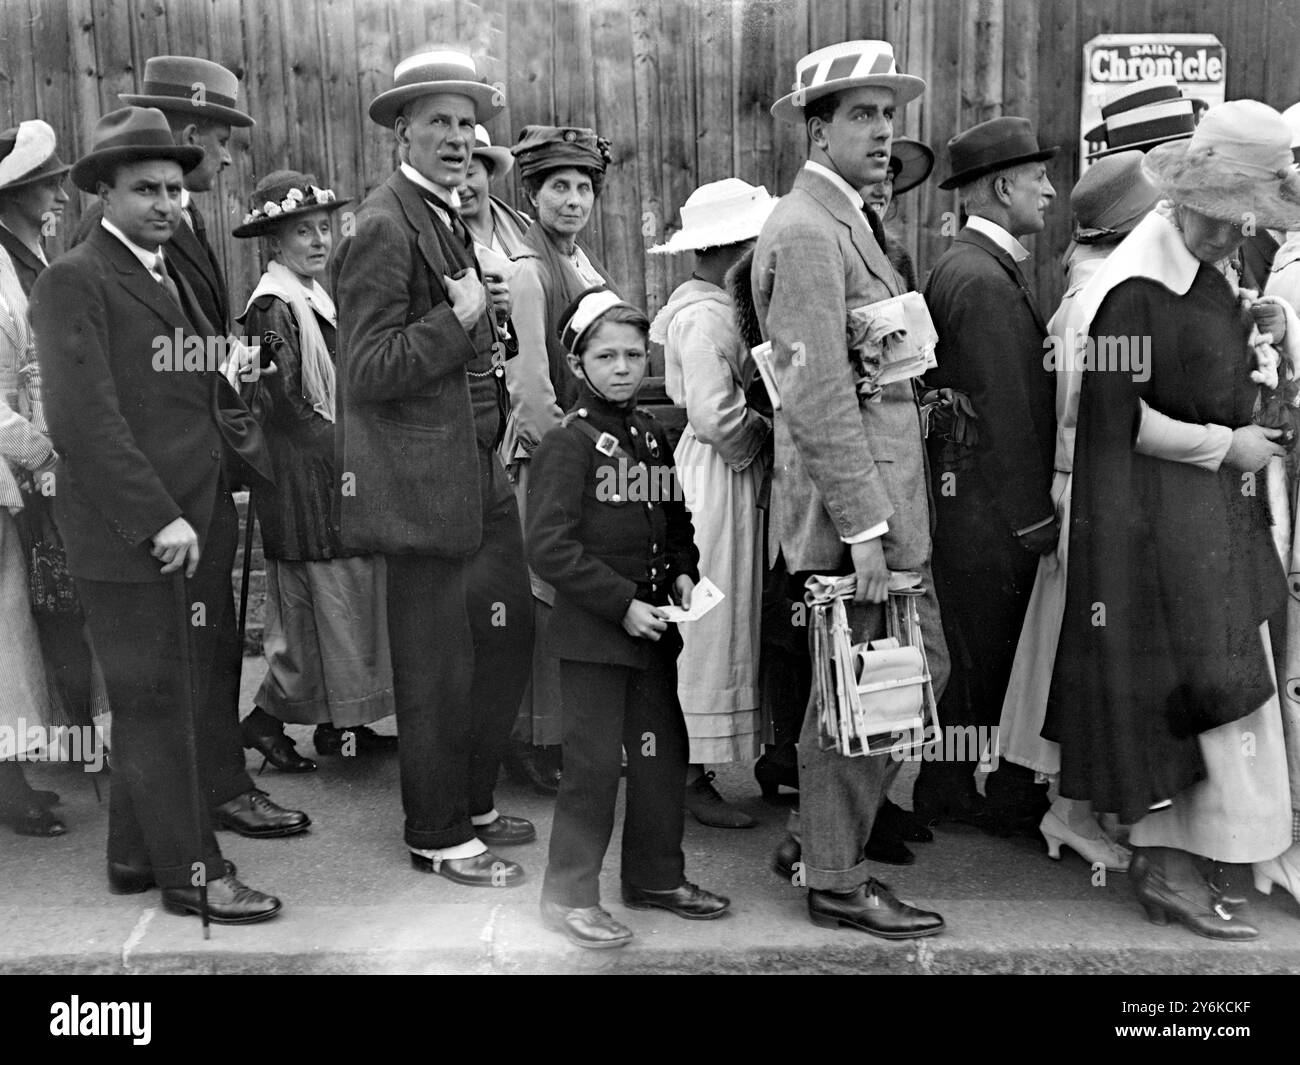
(215, 453)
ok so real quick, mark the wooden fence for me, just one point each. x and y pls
(681, 87)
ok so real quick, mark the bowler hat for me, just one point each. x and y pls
(27, 154)
(192, 86)
(993, 145)
(129, 135)
(281, 195)
(429, 73)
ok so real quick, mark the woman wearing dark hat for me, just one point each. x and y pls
(1167, 712)
(562, 170)
(617, 649)
(910, 163)
(326, 609)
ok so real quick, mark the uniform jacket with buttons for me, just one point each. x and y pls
(139, 446)
(604, 530)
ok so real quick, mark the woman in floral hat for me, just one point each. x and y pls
(326, 640)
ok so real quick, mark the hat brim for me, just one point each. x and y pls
(264, 226)
(1212, 186)
(1139, 146)
(39, 174)
(957, 180)
(502, 159)
(917, 159)
(86, 171)
(184, 105)
(699, 239)
(906, 88)
(385, 107)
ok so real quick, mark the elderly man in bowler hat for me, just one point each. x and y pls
(144, 505)
(993, 502)
(422, 401)
(849, 491)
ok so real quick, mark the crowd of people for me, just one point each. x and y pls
(470, 522)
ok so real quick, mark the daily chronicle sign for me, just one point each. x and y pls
(1195, 60)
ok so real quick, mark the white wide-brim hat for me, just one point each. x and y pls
(717, 214)
(847, 65)
(502, 159)
(435, 72)
(1237, 167)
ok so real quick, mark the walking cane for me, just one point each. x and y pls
(191, 730)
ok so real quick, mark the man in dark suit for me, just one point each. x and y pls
(849, 489)
(421, 399)
(143, 503)
(993, 503)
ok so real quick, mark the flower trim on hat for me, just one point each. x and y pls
(296, 199)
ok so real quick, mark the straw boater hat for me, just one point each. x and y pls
(996, 144)
(910, 161)
(130, 135)
(848, 65)
(281, 195)
(1143, 114)
(27, 155)
(501, 158)
(1236, 167)
(173, 83)
(719, 213)
(434, 72)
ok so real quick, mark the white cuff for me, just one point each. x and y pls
(1037, 525)
(1162, 437)
(479, 820)
(469, 849)
(873, 533)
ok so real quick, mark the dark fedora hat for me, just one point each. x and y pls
(992, 145)
(129, 135)
(282, 195)
(27, 154)
(191, 86)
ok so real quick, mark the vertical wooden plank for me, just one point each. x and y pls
(713, 116)
(50, 56)
(273, 146)
(1060, 65)
(529, 95)
(616, 118)
(226, 44)
(574, 93)
(376, 56)
(649, 150)
(828, 22)
(790, 140)
(943, 113)
(119, 62)
(1020, 59)
(756, 73)
(866, 21)
(1282, 84)
(18, 93)
(981, 61)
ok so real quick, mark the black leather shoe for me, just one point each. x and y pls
(253, 814)
(535, 767)
(711, 809)
(330, 741)
(772, 776)
(229, 902)
(903, 824)
(29, 816)
(787, 853)
(483, 870)
(126, 879)
(686, 900)
(872, 908)
(884, 845)
(280, 752)
(506, 832)
(592, 927)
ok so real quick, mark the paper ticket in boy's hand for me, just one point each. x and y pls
(704, 597)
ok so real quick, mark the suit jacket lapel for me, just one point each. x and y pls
(132, 276)
(979, 240)
(20, 253)
(422, 220)
(837, 204)
(184, 244)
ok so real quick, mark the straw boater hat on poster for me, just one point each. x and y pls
(27, 154)
(993, 145)
(910, 163)
(717, 214)
(501, 159)
(189, 85)
(130, 135)
(1237, 167)
(444, 70)
(283, 195)
(1143, 114)
(848, 65)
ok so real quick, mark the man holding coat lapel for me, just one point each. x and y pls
(849, 493)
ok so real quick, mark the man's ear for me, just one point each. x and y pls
(816, 132)
(400, 126)
(1002, 188)
(189, 136)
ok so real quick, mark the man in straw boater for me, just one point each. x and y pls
(143, 502)
(198, 101)
(422, 400)
(849, 493)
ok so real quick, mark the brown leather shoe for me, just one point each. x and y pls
(591, 927)
(229, 902)
(872, 908)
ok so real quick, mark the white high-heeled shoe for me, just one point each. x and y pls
(1284, 871)
(1100, 848)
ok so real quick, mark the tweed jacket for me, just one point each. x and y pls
(841, 467)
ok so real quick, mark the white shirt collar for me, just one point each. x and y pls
(830, 175)
(446, 197)
(999, 236)
(148, 259)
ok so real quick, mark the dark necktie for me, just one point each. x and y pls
(874, 223)
(164, 278)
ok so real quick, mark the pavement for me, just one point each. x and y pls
(353, 904)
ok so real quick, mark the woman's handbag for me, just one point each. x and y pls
(872, 698)
(49, 583)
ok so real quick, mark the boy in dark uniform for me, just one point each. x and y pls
(606, 526)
